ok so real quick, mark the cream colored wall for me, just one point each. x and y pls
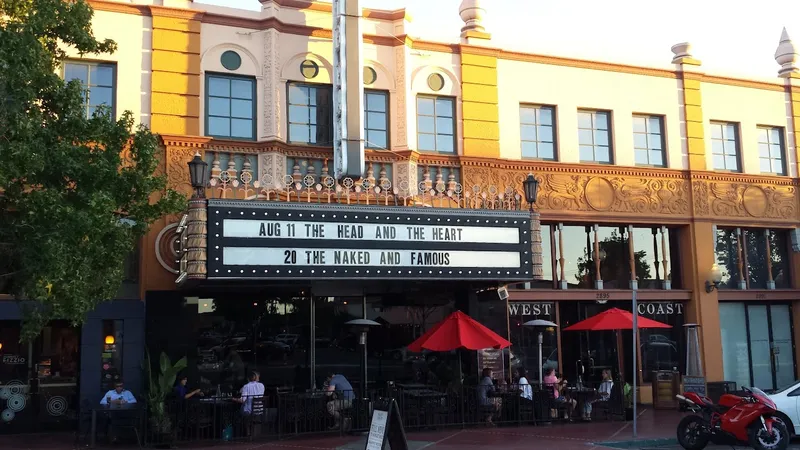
(215, 40)
(422, 65)
(570, 89)
(134, 37)
(749, 108)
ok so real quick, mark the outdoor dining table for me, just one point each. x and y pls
(110, 411)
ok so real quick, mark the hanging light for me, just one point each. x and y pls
(109, 340)
(531, 188)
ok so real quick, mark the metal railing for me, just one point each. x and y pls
(285, 414)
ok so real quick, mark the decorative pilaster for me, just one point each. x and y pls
(272, 169)
(536, 247)
(196, 238)
(272, 104)
(406, 180)
(686, 67)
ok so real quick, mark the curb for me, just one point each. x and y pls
(642, 443)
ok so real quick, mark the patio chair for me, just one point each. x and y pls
(612, 407)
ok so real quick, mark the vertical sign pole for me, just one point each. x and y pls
(635, 353)
(348, 90)
(313, 346)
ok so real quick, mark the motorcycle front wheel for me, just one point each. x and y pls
(693, 433)
(778, 440)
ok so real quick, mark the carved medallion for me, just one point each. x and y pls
(600, 194)
(754, 200)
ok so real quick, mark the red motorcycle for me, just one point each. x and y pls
(736, 420)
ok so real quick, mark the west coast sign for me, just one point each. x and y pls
(314, 241)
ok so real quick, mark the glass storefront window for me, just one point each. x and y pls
(662, 349)
(111, 358)
(525, 340)
(753, 245)
(577, 243)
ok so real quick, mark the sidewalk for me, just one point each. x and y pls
(655, 428)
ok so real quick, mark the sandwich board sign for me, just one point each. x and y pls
(386, 427)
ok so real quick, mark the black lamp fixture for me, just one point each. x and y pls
(198, 171)
(714, 278)
(531, 188)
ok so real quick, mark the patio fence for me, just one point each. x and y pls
(281, 414)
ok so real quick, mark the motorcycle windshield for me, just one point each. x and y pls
(758, 391)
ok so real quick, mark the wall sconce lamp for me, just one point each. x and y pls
(714, 278)
(1, 345)
(109, 340)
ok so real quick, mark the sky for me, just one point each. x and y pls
(730, 37)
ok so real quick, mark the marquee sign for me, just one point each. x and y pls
(320, 241)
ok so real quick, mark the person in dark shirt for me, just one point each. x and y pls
(182, 392)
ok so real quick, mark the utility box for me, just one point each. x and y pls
(666, 385)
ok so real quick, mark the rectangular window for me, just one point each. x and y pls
(648, 141)
(230, 107)
(725, 146)
(376, 119)
(436, 124)
(770, 150)
(594, 137)
(310, 114)
(537, 132)
(98, 79)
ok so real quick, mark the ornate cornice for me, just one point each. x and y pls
(184, 141)
(744, 178)
(188, 14)
(377, 14)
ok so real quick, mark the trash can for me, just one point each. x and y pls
(666, 385)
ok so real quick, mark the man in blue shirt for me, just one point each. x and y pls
(338, 384)
(118, 395)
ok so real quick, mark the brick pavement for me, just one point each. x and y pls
(653, 425)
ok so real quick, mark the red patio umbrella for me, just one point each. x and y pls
(615, 319)
(456, 331)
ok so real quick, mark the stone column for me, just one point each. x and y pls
(536, 246)
(404, 172)
(271, 169)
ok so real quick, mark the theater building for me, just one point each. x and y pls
(648, 177)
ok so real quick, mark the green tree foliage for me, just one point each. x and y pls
(67, 181)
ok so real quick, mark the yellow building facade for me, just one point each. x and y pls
(662, 172)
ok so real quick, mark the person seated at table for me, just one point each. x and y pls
(249, 391)
(525, 390)
(182, 392)
(603, 394)
(558, 385)
(118, 396)
(341, 391)
(487, 395)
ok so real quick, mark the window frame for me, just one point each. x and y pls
(387, 96)
(94, 62)
(609, 116)
(254, 82)
(737, 144)
(662, 134)
(435, 97)
(289, 84)
(781, 145)
(553, 110)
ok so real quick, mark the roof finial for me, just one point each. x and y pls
(472, 13)
(786, 56)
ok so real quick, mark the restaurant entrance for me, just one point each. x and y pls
(39, 379)
(757, 344)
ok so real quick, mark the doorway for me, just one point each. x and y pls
(757, 344)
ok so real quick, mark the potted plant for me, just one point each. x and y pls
(627, 396)
(158, 390)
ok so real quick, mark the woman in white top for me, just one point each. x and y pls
(603, 393)
(525, 390)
